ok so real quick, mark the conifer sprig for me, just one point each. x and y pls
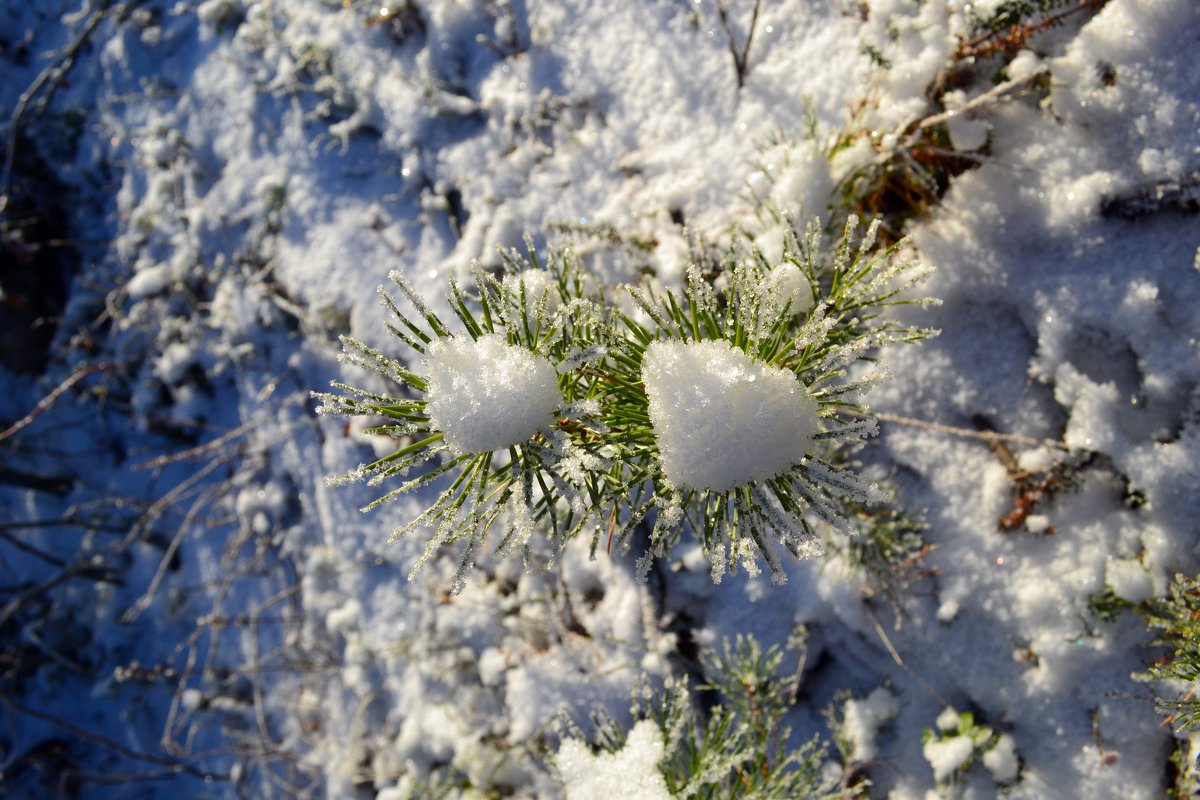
(740, 748)
(545, 479)
(749, 313)
(601, 431)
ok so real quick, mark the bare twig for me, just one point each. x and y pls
(986, 436)
(1016, 36)
(887, 643)
(50, 78)
(259, 701)
(910, 131)
(49, 400)
(164, 564)
(161, 505)
(104, 741)
(741, 56)
(200, 451)
(37, 552)
(91, 567)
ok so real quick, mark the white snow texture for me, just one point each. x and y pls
(631, 772)
(721, 418)
(486, 394)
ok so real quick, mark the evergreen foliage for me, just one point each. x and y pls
(600, 460)
(1177, 619)
(740, 747)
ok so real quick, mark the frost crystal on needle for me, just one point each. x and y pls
(722, 419)
(539, 287)
(486, 394)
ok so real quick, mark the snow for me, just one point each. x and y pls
(722, 419)
(541, 291)
(792, 287)
(630, 772)
(862, 719)
(1129, 580)
(947, 755)
(485, 394)
(241, 176)
(1001, 759)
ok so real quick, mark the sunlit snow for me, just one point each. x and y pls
(630, 772)
(721, 418)
(487, 394)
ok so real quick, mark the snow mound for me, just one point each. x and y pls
(486, 394)
(631, 772)
(1002, 760)
(862, 720)
(791, 286)
(721, 418)
(947, 756)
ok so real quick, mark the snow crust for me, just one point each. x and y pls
(721, 418)
(486, 394)
(630, 772)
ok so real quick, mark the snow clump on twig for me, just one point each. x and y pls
(721, 418)
(486, 394)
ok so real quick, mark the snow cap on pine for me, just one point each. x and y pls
(486, 394)
(722, 419)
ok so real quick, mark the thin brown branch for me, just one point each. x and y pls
(1016, 36)
(985, 436)
(741, 56)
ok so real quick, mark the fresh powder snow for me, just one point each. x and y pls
(486, 394)
(722, 419)
(630, 772)
(237, 178)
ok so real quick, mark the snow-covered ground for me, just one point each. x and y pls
(219, 187)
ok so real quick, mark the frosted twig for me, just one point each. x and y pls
(164, 564)
(991, 95)
(987, 436)
(208, 448)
